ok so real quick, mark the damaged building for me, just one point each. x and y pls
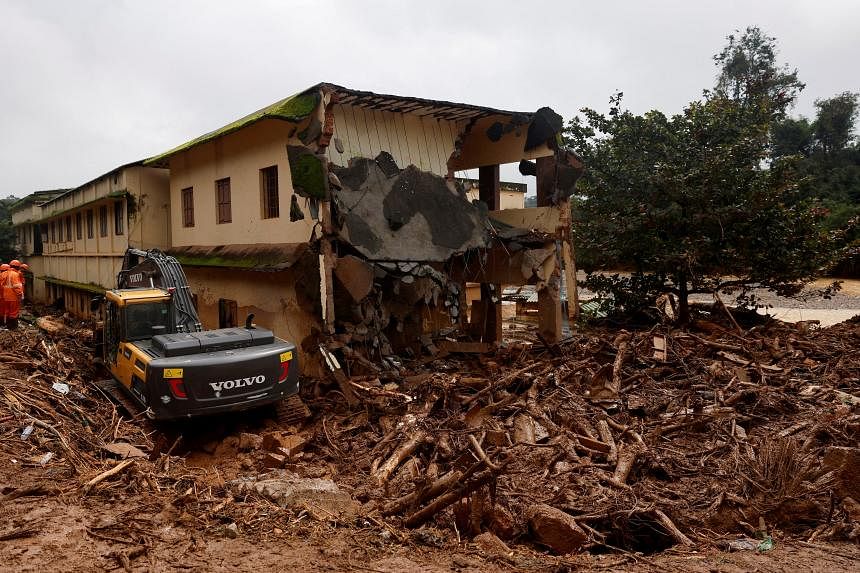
(336, 216)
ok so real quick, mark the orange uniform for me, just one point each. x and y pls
(13, 292)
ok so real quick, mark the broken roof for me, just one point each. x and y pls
(297, 107)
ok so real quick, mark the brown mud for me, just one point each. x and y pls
(659, 449)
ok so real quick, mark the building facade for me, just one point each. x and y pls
(331, 213)
(74, 240)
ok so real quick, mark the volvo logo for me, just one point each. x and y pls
(240, 383)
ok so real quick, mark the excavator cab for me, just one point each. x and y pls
(159, 355)
(134, 315)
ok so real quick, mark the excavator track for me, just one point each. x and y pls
(292, 411)
(112, 388)
(161, 439)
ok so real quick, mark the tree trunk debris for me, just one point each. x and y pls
(733, 425)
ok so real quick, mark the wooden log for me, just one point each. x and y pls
(626, 459)
(32, 490)
(498, 383)
(592, 444)
(671, 529)
(622, 341)
(106, 474)
(481, 454)
(339, 376)
(421, 495)
(423, 515)
(405, 450)
(606, 436)
(524, 429)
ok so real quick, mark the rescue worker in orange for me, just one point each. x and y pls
(22, 270)
(3, 268)
(13, 293)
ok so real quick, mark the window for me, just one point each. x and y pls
(222, 192)
(79, 226)
(188, 207)
(141, 318)
(69, 228)
(90, 224)
(118, 218)
(53, 232)
(269, 191)
(227, 312)
(103, 221)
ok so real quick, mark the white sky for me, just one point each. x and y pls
(88, 85)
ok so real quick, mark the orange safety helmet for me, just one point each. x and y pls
(14, 263)
(4, 267)
(25, 266)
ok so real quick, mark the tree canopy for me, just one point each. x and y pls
(7, 233)
(696, 201)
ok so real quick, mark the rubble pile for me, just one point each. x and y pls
(52, 416)
(611, 441)
(635, 441)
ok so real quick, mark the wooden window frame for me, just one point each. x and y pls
(91, 225)
(118, 218)
(79, 226)
(103, 221)
(224, 209)
(269, 195)
(68, 228)
(187, 200)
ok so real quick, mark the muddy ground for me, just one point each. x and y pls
(717, 440)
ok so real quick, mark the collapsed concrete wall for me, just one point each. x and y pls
(393, 214)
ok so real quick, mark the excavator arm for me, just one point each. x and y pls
(154, 269)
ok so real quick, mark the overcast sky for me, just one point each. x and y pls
(88, 85)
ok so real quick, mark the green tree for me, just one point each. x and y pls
(830, 162)
(793, 137)
(834, 124)
(7, 233)
(691, 203)
(749, 73)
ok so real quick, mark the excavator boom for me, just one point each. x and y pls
(154, 269)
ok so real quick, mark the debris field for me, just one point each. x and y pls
(613, 444)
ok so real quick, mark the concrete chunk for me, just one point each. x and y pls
(555, 529)
(844, 462)
(321, 497)
(492, 545)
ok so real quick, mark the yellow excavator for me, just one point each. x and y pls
(163, 363)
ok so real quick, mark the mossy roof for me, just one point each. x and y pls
(267, 256)
(293, 109)
(299, 106)
(86, 287)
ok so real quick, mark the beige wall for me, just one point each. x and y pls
(240, 156)
(95, 260)
(271, 296)
(149, 225)
(425, 142)
(507, 199)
